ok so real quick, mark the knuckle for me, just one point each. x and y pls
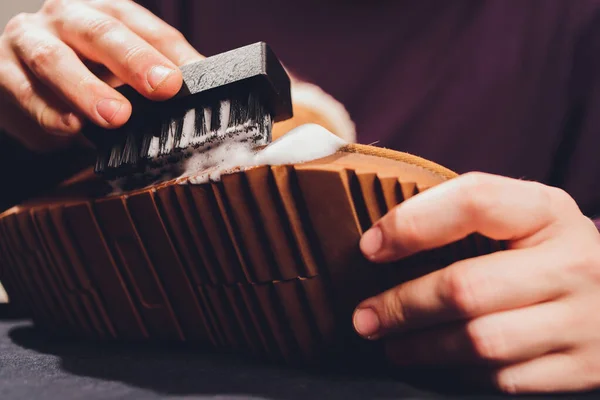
(173, 34)
(543, 196)
(585, 263)
(111, 7)
(16, 23)
(84, 84)
(474, 179)
(551, 200)
(487, 343)
(460, 292)
(134, 58)
(163, 36)
(25, 95)
(557, 198)
(52, 7)
(135, 53)
(102, 4)
(394, 308)
(43, 56)
(100, 27)
(475, 194)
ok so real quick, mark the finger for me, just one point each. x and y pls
(502, 338)
(50, 113)
(58, 67)
(558, 372)
(466, 289)
(106, 40)
(162, 36)
(497, 207)
(21, 127)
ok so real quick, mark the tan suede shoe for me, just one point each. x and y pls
(264, 260)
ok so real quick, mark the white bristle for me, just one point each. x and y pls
(115, 155)
(207, 118)
(188, 129)
(154, 147)
(170, 139)
(225, 110)
(165, 157)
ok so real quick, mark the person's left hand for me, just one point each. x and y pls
(529, 314)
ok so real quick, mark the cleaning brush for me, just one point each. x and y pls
(232, 96)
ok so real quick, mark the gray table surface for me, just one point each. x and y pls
(34, 366)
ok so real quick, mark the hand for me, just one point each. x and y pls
(58, 67)
(529, 314)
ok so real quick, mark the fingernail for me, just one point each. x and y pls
(157, 75)
(366, 322)
(371, 241)
(108, 108)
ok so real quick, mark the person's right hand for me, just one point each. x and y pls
(58, 67)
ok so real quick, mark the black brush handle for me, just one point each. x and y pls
(254, 67)
(254, 62)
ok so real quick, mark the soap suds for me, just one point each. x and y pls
(305, 143)
(238, 149)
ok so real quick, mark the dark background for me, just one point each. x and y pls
(35, 366)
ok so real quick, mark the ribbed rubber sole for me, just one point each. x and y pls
(265, 261)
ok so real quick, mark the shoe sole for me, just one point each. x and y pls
(264, 261)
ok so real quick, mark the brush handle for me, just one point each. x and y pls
(254, 67)
(250, 77)
(254, 62)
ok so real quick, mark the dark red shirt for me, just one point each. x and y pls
(507, 87)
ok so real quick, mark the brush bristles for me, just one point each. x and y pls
(163, 140)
